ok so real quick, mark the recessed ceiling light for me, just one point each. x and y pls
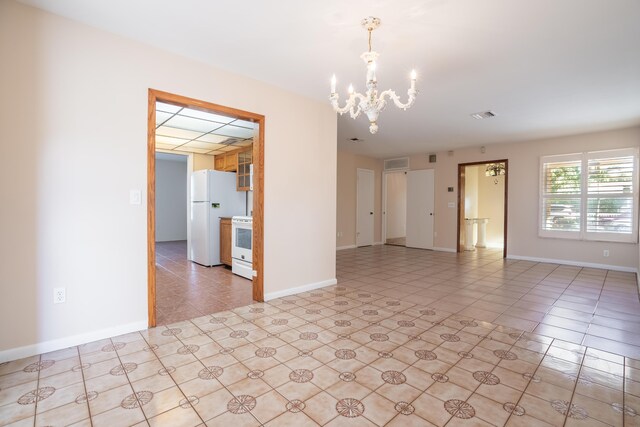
(483, 115)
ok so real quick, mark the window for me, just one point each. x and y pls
(590, 196)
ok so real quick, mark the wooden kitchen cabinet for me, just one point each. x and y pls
(218, 163)
(225, 241)
(243, 176)
(227, 162)
(238, 161)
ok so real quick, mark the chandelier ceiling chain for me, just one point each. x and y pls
(370, 103)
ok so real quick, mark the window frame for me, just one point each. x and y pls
(584, 196)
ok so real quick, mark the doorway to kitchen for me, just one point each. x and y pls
(213, 136)
(482, 205)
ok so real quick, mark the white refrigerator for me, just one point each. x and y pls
(213, 195)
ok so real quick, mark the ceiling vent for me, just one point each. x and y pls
(483, 115)
(356, 139)
(396, 164)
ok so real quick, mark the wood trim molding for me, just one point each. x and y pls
(461, 182)
(151, 209)
(258, 188)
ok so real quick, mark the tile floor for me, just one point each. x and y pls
(185, 290)
(389, 345)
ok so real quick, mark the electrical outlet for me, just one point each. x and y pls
(605, 253)
(59, 295)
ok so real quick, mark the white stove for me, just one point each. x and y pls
(242, 249)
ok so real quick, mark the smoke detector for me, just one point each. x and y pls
(483, 115)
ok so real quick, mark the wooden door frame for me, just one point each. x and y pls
(461, 182)
(258, 188)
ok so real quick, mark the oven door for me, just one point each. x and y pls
(242, 242)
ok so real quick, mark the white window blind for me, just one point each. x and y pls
(591, 196)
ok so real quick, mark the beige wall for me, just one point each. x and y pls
(71, 93)
(348, 164)
(523, 240)
(203, 161)
(471, 192)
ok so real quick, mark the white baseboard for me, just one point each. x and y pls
(339, 248)
(574, 263)
(61, 343)
(445, 250)
(299, 289)
(377, 243)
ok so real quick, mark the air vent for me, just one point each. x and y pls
(396, 164)
(483, 115)
(356, 139)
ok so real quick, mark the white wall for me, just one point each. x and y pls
(396, 208)
(171, 199)
(72, 94)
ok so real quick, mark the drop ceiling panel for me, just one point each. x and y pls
(193, 124)
(245, 124)
(187, 112)
(167, 108)
(235, 131)
(161, 117)
(228, 148)
(177, 132)
(168, 140)
(191, 150)
(160, 145)
(217, 139)
(199, 144)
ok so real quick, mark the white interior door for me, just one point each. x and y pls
(364, 208)
(420, 208)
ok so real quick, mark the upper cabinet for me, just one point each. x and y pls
(238, 161)
(245, 158)
(227, 162)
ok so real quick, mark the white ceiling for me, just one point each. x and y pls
(546, 67)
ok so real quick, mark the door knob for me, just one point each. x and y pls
(430, 213)
(370, 213)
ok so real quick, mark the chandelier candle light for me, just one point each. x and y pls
(370, 103)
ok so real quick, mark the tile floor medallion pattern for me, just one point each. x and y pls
(185, 290)
(409, 344)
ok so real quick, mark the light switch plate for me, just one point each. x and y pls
(451, 204)
(135, 197)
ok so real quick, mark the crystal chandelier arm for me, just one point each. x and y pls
(396, 99)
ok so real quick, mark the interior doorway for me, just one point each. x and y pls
(365, 193)
(256, 152)
(482, 205)
(394, 194)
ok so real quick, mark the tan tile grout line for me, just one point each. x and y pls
(84, 386)
(135, 394)
(174, 381)
(35, 407)
(575, 386)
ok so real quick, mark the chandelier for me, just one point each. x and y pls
(494, 169)
(370, 103)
